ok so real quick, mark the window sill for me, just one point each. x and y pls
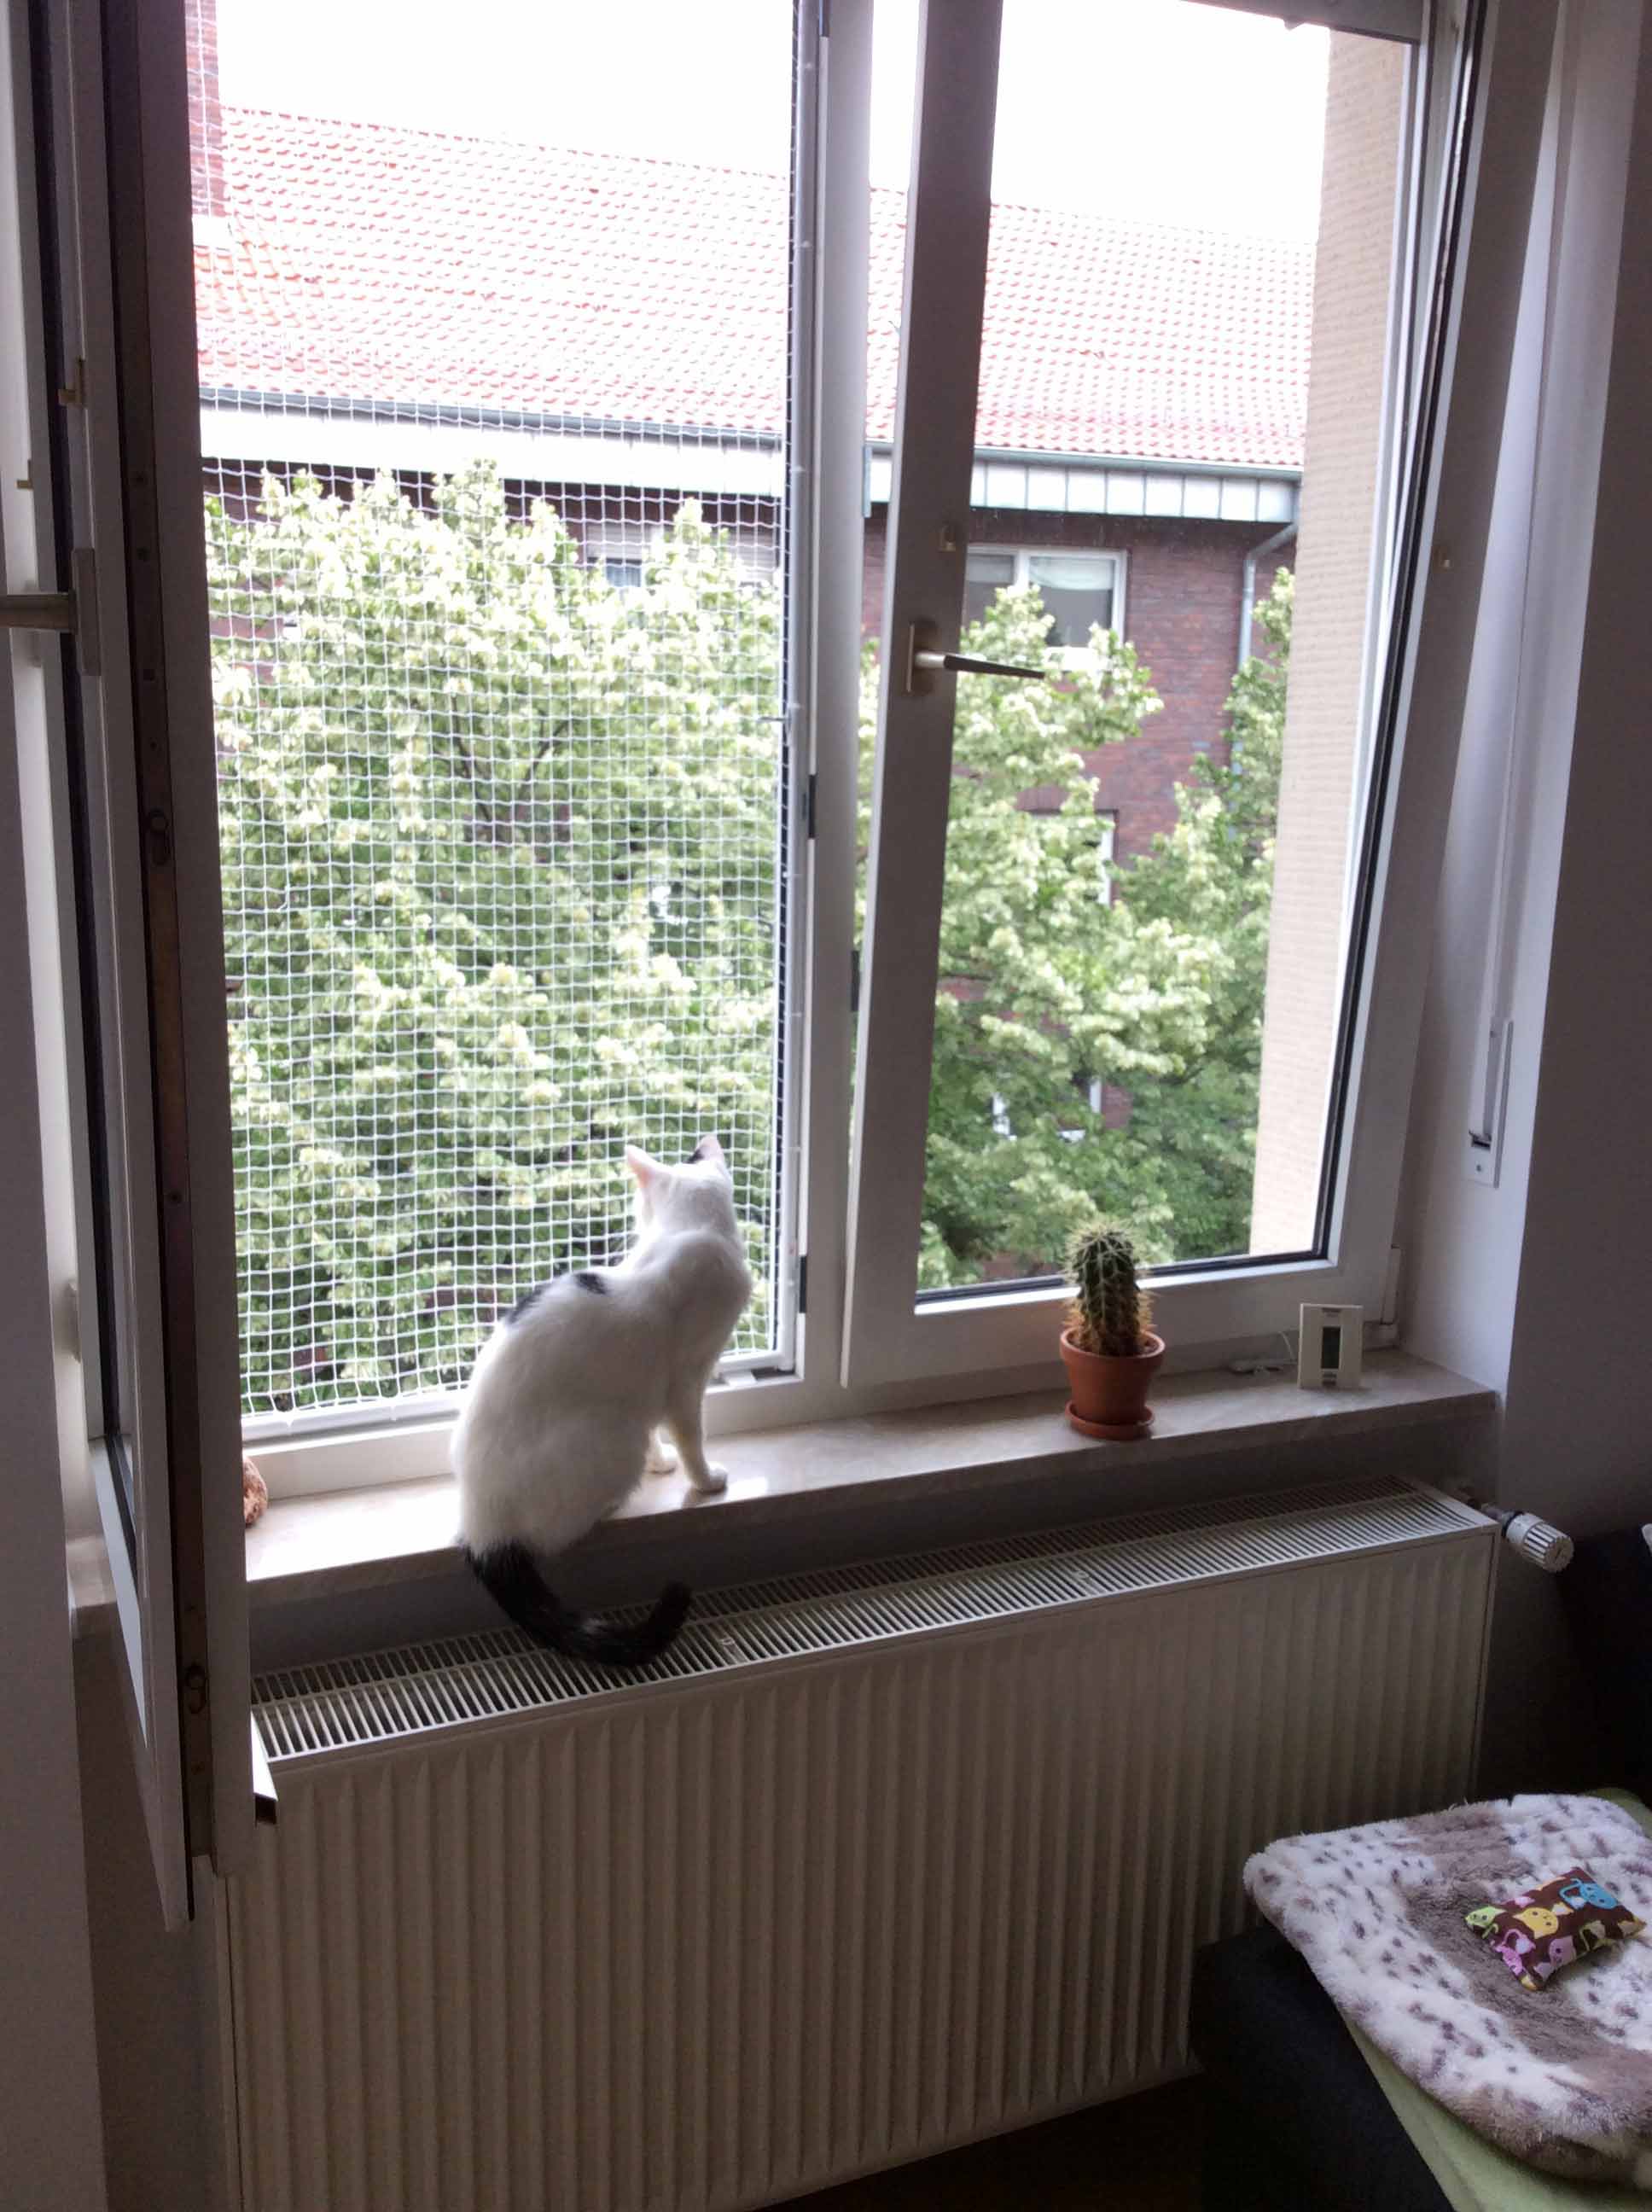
(335, 1542)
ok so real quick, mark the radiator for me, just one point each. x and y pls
(872, 1862)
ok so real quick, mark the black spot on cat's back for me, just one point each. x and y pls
(585, 1280)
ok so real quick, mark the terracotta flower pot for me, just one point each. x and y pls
(1109, 1395)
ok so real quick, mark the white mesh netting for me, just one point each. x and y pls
(496, 441)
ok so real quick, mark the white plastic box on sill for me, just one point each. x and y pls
(1330, 1353)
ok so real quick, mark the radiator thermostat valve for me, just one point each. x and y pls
(1536, 1541)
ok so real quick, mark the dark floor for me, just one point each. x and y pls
(1141, 2155)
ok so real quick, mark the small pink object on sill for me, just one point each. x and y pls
(255, 1491)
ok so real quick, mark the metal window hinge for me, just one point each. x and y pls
(74, 395)
(854, 979)
(803, 1282)
(1485, 1154)
(809, 805)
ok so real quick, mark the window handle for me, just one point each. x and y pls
(37, 610)
(925, 662)
(73, 613)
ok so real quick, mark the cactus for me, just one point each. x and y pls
(1110, 1311)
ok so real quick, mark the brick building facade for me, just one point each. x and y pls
(612, 332)
(1183, 594)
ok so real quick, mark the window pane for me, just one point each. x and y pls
(1200, 402)
(496, 377)
(1077, 593)
(985, 575)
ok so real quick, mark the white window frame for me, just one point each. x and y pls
(1072, 656)
(862, 1340)
(891, 1335)
(112, 455)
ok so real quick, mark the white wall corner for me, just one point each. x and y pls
(1466, 1241)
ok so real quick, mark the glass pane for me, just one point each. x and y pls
(1196, 408)
(495, 364)
(1077, 594)
(985, 576)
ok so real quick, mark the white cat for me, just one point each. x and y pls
(566, 1399)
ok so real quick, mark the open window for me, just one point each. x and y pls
(506, 551)
(567, 513)
(106, 698)
(1252, 993)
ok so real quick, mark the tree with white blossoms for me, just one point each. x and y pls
(499, 848)
(1211, 881)
(1049, 992)
(501, 845)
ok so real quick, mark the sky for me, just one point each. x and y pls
(1154, 109)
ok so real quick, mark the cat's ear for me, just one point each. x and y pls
(707, 1149)
(644, 1168)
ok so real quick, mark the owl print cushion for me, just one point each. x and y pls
(1543, 1930)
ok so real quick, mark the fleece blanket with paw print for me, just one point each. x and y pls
(1561, 2075)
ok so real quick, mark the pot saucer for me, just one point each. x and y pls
(1126, 1432)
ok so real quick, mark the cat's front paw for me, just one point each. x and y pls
(709, 1477)
(661, 1458)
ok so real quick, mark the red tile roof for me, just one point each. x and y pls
(372, 264)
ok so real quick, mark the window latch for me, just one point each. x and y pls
(925, 662)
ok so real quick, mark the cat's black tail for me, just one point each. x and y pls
(508, 1574)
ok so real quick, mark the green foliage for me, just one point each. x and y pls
(1211, 880)
(499, 853)
(1110, 1311)
(1047, 990)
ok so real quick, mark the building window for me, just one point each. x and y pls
(624, 550)
(1081, 592)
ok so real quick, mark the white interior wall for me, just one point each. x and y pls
(1539, 1286)
(156, 1993)
(1577, 1437)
